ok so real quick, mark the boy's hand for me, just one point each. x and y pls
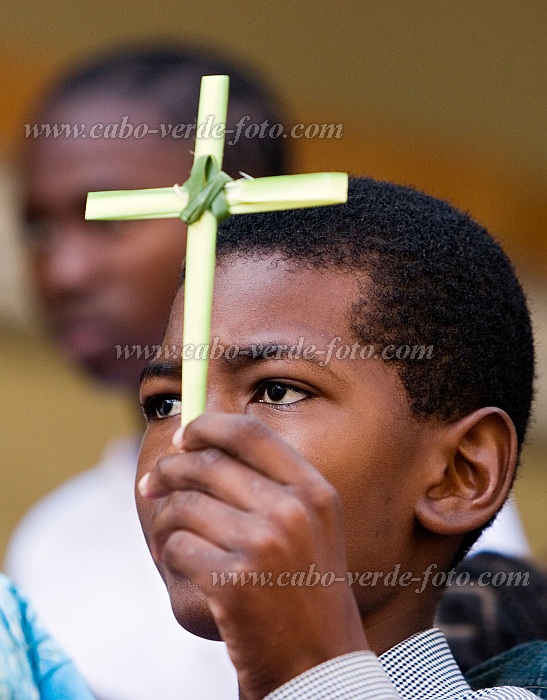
(239, 499)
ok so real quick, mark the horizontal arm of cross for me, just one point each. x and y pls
(244, 196)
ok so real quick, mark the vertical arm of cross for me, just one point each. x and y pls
(204, 198)
(201, 252)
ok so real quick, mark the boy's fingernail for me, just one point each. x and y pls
(177, 438)
(143, 485)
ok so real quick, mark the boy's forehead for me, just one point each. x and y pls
(266, 294)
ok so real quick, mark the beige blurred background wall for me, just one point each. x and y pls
(450, 97)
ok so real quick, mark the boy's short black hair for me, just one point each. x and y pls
(168, 76)
(431, 276)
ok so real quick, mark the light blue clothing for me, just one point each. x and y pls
(32, 665)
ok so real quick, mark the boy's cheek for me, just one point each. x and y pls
(156, 443)
(147, 508)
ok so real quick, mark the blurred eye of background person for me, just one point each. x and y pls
(442, 98)
(80, 553)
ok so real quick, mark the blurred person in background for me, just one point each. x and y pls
(499, 603)
(102, 287)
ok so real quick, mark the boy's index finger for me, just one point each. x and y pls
(252, 442)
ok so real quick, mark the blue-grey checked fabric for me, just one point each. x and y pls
(422, 668)
(524, 665)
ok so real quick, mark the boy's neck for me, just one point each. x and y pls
(391, 626)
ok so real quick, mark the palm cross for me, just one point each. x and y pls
(207, 197)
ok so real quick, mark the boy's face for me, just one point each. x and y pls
(349, 418)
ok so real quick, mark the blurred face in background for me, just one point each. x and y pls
(102, 284)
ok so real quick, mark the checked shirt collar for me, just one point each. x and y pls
(423, 666)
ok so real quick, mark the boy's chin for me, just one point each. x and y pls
(191, 610)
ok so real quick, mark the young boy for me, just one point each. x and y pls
(370, 390)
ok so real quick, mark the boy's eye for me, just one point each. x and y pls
(159, 407)
(280, 394)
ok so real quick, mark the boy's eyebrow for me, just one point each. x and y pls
(160, 369)
(246, 354)
(268, 351)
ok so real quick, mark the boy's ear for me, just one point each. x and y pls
(470, 474)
